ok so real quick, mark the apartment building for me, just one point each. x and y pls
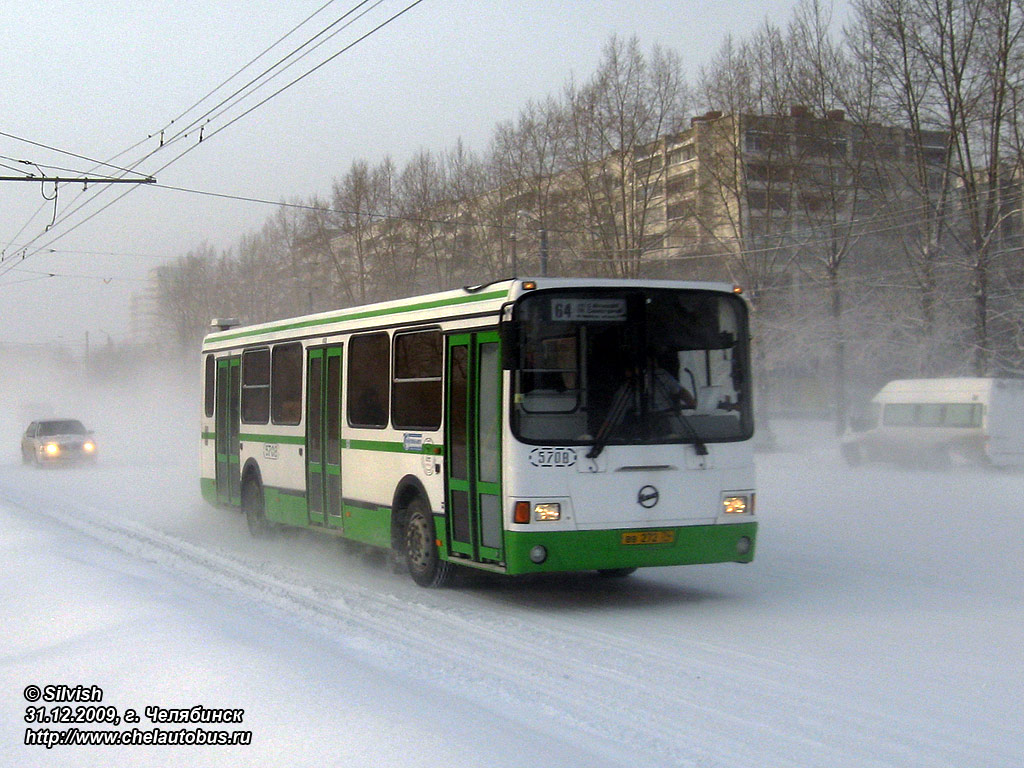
(737, 185)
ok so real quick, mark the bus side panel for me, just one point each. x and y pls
(208, 488)
(286, 506)
(282, 467)
(207, 462)
(370, 470)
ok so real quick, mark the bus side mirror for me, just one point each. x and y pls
(509, 331)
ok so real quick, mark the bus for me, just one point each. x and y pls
(519, 427)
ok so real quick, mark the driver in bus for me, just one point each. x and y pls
(665, 391)
(665, 395)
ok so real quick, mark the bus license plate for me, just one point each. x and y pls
(648, 537)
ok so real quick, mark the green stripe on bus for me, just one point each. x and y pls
(383, 446)
(360, 315)
(283, 439)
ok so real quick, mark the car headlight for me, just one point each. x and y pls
(52, 449)
(88, 446)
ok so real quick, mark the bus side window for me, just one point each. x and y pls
(256, 386)
(416, 384)
(368, 379)
(286, 384)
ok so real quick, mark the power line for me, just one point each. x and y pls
(65, 152)
(248, 64)
(39, 167)
(125, 254)
(218, 87)
(301, 77)
(136, 163)
(79, 179)
(106, 279)
(309, 72)
(241, 92)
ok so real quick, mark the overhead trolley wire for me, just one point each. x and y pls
(96, 163)
(108, 163)
(222, 84)
(248, 64)
(74, 209)
(255, 83)
(303, 76)
(64, 217)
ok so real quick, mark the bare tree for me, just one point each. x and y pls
(527, 162)
(953, 66)
(424, 202)
(184, 294)
(355, 201)
(614, 122)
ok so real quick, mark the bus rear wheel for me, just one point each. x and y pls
(425, 565)
(252, 507)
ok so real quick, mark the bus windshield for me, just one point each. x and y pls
(630, 366)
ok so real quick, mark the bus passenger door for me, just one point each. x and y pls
(227, 425)
(473, 447)
(323, 436)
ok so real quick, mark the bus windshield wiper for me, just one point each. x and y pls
(619, 406)
(699, 446)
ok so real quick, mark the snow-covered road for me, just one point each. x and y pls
(881, 624)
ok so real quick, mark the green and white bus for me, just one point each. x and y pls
(523, 426)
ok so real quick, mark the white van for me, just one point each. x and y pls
(930, 421)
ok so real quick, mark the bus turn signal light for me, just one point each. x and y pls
(522, 513)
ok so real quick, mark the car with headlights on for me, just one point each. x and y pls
(55, 441)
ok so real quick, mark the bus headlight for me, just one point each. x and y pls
(736, 505)
(52, 449)
(538, 554)
(547, 511)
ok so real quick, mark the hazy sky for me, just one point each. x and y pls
(97, 77)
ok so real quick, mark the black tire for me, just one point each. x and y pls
(252, 507)
(616, 573)
(425, 566)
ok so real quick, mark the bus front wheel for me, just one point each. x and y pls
(616, 573)
(425, 565)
